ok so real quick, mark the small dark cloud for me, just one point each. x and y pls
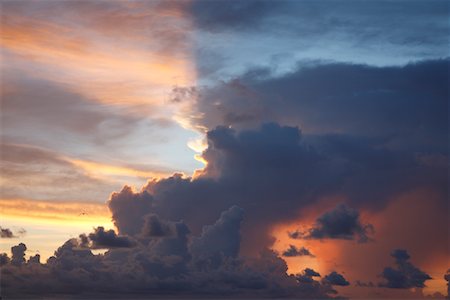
(340, 223)
(405, 275)
(105, 239)
(36, 259)
(335, 278)
(18, 254)
(307, 276)
(293, 251)
(4, 259)
(6, 233)
(311, 273)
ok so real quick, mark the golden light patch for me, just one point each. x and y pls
(56, 212)
(100, 170)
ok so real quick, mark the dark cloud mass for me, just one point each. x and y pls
(294, 251)
(165, 264)
(101, 239)
(6, 233)
(335, 278)
(405, 275)
(339, 223)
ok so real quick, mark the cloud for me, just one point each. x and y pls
(406, 275)
(6, 233)
(293, 251)
(335, 278)
(406, 104)
(222, 238)
(164, 264)
(340, 223)
(18, 254)
(128, 209)
(101, 239)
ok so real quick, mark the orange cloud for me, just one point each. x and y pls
(411, 221)
(55, 212)
(96, 53)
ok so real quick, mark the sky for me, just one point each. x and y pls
(224, 149)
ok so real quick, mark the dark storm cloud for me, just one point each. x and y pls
(335, 278)
(386, 127)
(272, 172)
(293, 251)
(340, 223)
(222, 238)
(408, 104)
(165, 265)
(405, 275)
(106, 239)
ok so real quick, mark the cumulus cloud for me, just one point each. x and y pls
(293, 251)
(405, 275)
(335, 278)
(101, 239)
(18, 254)
(169, 264)
(128, 209)
(222, 238)
(6, 233)
(340, 223)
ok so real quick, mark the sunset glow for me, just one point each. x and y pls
(242, 149)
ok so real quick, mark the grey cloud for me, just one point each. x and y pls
(222, 238)
(101, 239)
(272, 172)
(335, 278)
(4, 259)
(163, 265)
(406, 275)
(293, 251)
(6, 233)
(340, 223)
(23, 168)
(18, 254)
(129, 208)
(408, 104)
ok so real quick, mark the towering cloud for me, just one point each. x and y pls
(339, 223)
(169, 263)
(18, 254)
(128, 209)
(406, 275)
